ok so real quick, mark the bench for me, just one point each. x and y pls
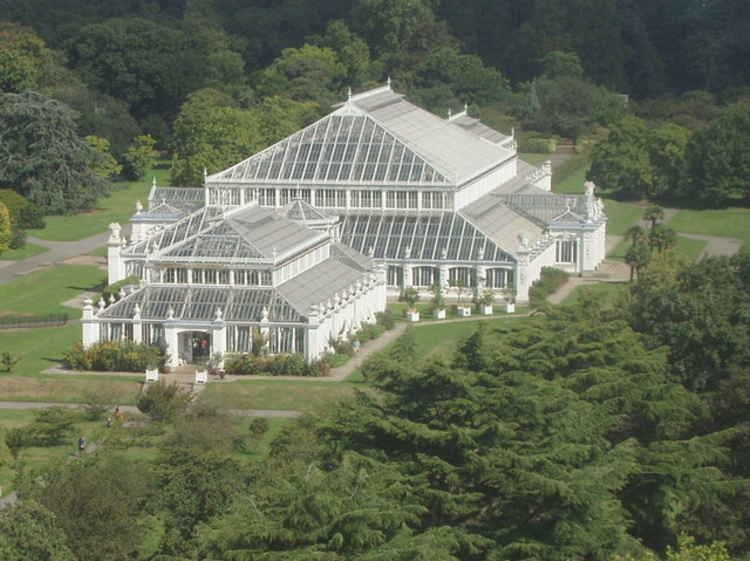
(152, 375)
(201, 376)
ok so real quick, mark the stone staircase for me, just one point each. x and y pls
(184, 376)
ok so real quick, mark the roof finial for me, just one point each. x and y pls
(388, 81)
(450, 113)
(466, 108)
(153, 181)
(205, 175)
(349, 94)
(512, 132)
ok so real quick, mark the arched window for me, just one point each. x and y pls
(424, 276)
(462, 276)
(499, 278)
(395, 276)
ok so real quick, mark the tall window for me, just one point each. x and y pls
(423, 276)
(330, 198)
(366, 199)
(395, 276)
(462, 276)
(566, 251)
(434, 200)
(267, 197)
(401, 199)
(499, 278)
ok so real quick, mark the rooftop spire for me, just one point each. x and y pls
(388, 81)
(349, 94)
(450, 113)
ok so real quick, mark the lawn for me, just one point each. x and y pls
(291, 395)
(28, 250)
(604, 292)
(570, 177)
(442, 339)
(426, 313)
(44, 291)
(117, 207)
(687, 247)
(729, 222)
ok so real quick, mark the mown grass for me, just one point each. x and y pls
(534, 159)
(28, 250)
(729, 222)
(289, 395)
(687, 247)
(569, 178)
(425, 310)
(606, 293)
(117, 207)
(44, 291)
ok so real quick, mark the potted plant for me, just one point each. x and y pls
(510, 303)
(462, 310)
(486, 301)
(438, 301)
(411, 296)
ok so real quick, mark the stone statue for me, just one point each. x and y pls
(523, 240)
(589, 186)
(138, 207)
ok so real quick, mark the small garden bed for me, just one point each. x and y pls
(115, 356)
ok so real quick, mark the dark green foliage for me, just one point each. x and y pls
(385, 319)
(718, 159)
(23, 213)
(537, 145)
(43, 158)
(549, 281)
(258, 427)
(115, 356)
(274, 365)
(8, 361)
(96, 501)
(163, 401)
(51, 427)
(30, 532)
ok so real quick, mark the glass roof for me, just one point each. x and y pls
(175, 233)
(220, 242)
(432, 237)
(338, 148)
(200, 303)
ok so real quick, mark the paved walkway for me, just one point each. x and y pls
(58, 252)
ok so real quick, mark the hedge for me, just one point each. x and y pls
(275, 365)
(538, 145)
(550, 280)
(115, 356)
(46, 320)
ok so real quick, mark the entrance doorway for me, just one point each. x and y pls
(195, 347)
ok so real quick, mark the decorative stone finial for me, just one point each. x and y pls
(153, 181)
(349, 94)
(111, 299)
(114, 236)
(219, 314)
(512, 132)
(388, 81)
(138, 207)
(450, 113)
(136, 311)
(264, 314)
(466, 108)
(481, 252)
(523, 240)
(444, 252)
(101, 304)
(170, 312)
(121, 294)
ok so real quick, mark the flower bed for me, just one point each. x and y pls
(115, 356)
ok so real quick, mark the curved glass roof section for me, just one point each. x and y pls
(344, 147)
(175, 233)
(446, 236)
(200, 303)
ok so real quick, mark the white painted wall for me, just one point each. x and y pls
(486, 183)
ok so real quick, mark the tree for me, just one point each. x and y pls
(309, 73)
(654, 214)
(662, 238)
(637, 257)
(162, 401)
(5, 228)
(23, 56)
(140, 157)
(107, 166)
(667, 147)
(718, 159)
(43, 157)
(559, 63)
(30, 532)
(97, 502)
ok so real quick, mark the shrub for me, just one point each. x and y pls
(96, 402)
(24, 214)
(385, 319)
(51, 426)
(275, 365)
(368, 332)
(8, 361)
(258, 427)
(162, 401)
(17, 238)
(341, 346)
(550, 280)
(538, 145)
(115, 356)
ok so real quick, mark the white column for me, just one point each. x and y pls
(90, 327)
(170, 339)
(481, 273)
(312, 335)
(219, 337)
(407, 273)
(522, 278)
(137, 325)
(115, 269)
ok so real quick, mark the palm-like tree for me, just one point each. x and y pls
(636, 234)
(662, 238)
(654, 214)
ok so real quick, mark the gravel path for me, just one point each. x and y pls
(58, 252)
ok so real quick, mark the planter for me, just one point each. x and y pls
(440, 314)
(487, 309)
(413, 315)
(510, 307)
(464, 311)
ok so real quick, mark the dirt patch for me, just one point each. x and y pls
(77, 302)
(85, 260)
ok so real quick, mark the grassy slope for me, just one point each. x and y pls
(118, 207)
(28, 250)
(729, 222)
(685, 246)
(276, 394)
(605, 292)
